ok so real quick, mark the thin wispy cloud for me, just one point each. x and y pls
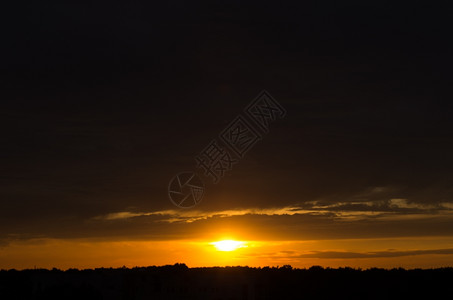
(376, 254)
(195, 215)
(391, 209)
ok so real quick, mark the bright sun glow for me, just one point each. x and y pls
(228, 245)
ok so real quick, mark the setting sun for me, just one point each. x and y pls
(228, 245)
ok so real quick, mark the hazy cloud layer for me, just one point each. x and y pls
(101, 107)
(313, 220)
(352, 255)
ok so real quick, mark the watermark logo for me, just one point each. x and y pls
(264, 110)
(186, 189)
(240, 136)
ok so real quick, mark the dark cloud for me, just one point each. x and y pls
(272, 224)
(378, 254)
(352, 255)
(103, 105)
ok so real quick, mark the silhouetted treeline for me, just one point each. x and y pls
(227, 283)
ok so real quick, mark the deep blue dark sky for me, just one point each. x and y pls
(103, 103)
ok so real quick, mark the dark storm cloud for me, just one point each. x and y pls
(103, 104)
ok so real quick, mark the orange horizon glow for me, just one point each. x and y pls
(90, 253)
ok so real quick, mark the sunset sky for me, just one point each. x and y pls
(103, 104)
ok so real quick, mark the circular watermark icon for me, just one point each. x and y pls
(186, 190)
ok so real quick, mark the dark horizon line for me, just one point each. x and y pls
(179, 266)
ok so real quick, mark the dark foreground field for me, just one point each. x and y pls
(180, 282)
